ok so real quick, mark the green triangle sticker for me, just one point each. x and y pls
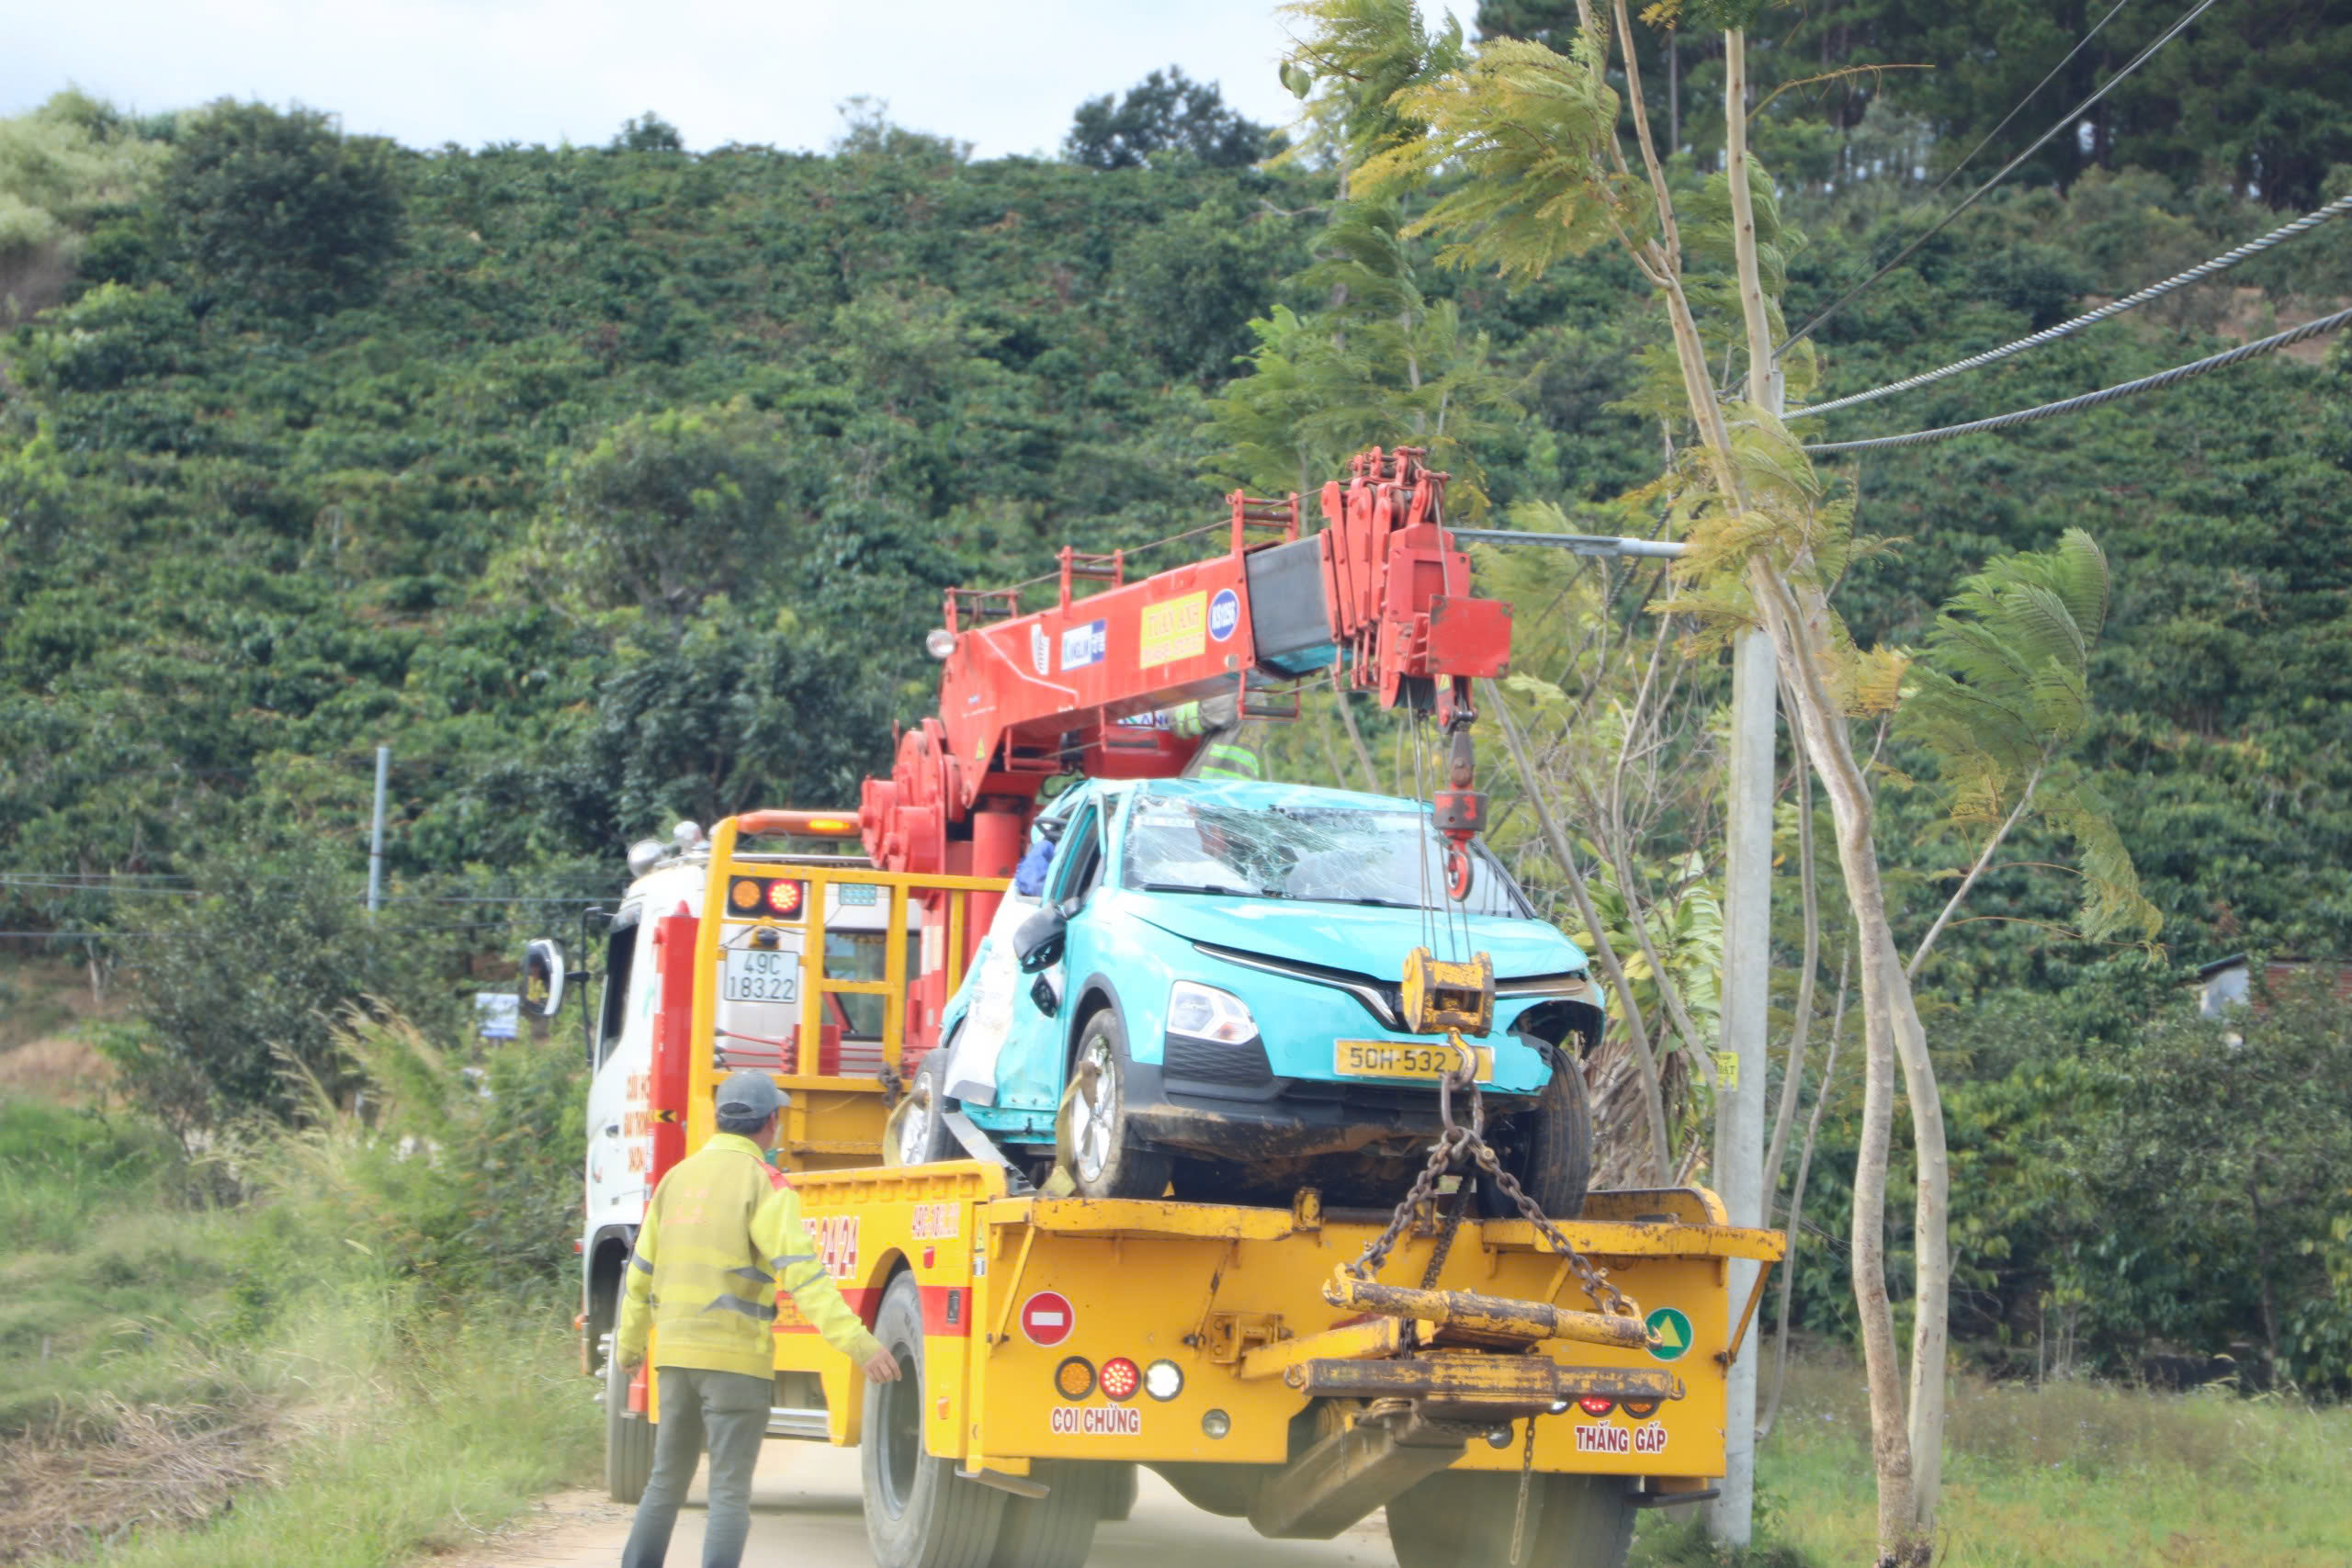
(1670, 1330)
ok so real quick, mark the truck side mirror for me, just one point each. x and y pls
(543, 976)
(1038, 941)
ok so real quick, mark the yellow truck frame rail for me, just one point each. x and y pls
(1224, 1346)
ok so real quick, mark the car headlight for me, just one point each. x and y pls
(1203, 1012)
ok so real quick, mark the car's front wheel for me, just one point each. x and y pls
(1099, 1144)
(1547, 1148)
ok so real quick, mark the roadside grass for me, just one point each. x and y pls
(410, 1451)
(282, 1353)
(2068, 1474)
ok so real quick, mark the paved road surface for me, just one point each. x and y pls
(804, 1513)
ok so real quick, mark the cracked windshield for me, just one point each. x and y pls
(1313, 852)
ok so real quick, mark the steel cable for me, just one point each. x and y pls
(2163, 378)
(2223, 263)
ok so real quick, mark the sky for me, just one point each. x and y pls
(1003, 75)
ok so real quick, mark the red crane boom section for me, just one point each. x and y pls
(1381, 587)
(1084, 683)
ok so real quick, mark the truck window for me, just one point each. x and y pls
(620, 955)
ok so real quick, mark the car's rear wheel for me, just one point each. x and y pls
(1547, 1148)
(919, 1131)
(1105, 1159)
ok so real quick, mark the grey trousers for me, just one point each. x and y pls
(727, 1412)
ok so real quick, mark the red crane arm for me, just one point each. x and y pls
(1380, 589)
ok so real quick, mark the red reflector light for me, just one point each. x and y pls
(783, 898)
(1593, 1404)
(1120, 1378)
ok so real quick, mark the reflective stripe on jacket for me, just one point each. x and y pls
(722, 1233)
(1227, 760)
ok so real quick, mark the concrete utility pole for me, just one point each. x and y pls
(1738, 1174)
(375, 834)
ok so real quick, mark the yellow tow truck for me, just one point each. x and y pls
(1510, 1390)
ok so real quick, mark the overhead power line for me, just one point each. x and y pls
(2080, 44)
(2163, 378)
(2202, 270)
(2070, 118)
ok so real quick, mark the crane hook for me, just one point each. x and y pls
(1459, 811)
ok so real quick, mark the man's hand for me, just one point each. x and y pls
(881, 1368)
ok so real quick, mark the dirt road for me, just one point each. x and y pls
(805, 1513)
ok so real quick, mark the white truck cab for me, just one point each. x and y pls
(759, 1011)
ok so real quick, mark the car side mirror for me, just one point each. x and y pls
(1038, 941)
(543, 977)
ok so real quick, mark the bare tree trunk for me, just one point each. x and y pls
(1645, 1059)
(1805, 634)
(1890, 1033)
(1673, 93)
(1794, 1222)
(1952, 905)
(1910, 1466)
(1801, 1023)
(1355, 736)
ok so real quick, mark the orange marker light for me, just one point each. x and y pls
(744, 893)
(1074, 1378)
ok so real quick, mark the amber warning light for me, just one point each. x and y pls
(758, 896)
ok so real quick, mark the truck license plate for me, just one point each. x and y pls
(762, 975)
(1388, 1059)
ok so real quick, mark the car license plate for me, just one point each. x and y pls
(1389, 1059)
(762, 975)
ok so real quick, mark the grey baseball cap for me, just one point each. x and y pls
(749, 1092)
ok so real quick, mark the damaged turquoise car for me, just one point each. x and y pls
(1216, 968)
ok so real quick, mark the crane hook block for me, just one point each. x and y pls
(1439, 996)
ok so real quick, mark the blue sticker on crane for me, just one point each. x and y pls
(1225, 614)
(1082, 646)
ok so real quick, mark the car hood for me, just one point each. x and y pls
(1364, 940)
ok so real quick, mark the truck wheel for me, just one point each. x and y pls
(1588, 1522)
(1462, 1518)
(922, 1131)
(1119, 1498)
(1104, 1161)
(1548, 1149)
(1057, 1530)
(628, 1439)
(919, 1512)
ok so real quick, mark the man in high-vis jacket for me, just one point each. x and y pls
(722, 1233)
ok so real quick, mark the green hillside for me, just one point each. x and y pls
(614, 485)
